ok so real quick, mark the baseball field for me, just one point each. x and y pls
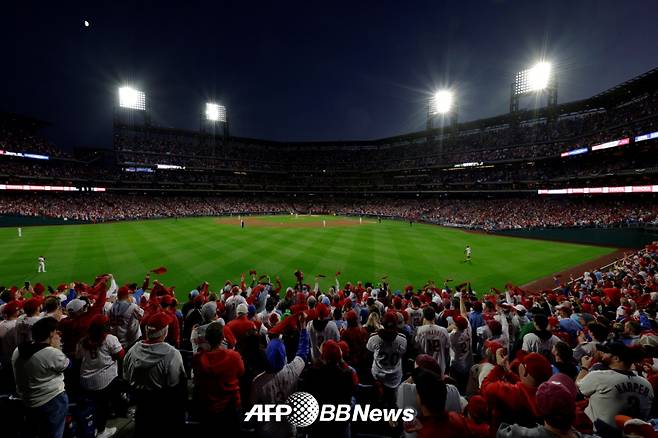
(217, 249)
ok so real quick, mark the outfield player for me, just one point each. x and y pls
(467, 252)
(42, 264)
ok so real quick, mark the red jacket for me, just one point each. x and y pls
(356, 338)
(75, 327)
(173, 332)
(449, 425)
(239, 326)
(216, 384)
(509, 402)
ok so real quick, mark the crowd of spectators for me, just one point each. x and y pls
(18, 134)
(477, 213)
(578, 360)
(497, 143)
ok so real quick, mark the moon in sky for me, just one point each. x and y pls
(86, 23)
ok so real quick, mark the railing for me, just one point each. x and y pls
(603, 268)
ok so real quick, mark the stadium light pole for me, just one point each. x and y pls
(535, 80)
(130, 105)
(213, 118)
(441, 104)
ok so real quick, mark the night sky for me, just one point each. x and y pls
(307, 70)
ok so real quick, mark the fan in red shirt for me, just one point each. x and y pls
(356, 338)
(77, 324)
(510, 396)
(433, 420)
(241, 325)
(216, 394)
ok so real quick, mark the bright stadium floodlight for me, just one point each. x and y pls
(441, 102)
(215, 112)
(131, 98)
(533, 79)
(539, 76)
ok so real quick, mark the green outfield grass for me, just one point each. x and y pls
(198, 249)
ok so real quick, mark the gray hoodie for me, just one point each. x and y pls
(153, 366)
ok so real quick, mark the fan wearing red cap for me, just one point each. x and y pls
(169, 303)
(155, 371)
(556, 403)
(321, 330)
(76, 325)
(125, 317)
(330, 383)
(462, 346)
(356, 338)
(242, 324)
(511, 396)
(8, 341)
(31, 307)
(217, 372)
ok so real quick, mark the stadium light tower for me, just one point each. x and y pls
(214, 120)
(215, 112)
(442, 103)
(132, 98)
(535, 80)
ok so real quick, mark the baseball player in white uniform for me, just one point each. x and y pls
(42, 264)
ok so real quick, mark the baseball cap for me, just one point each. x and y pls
(537, 366)
(390, 321)
(625, 353)
(76, 305)
(461, 322)
(351, 316)
(32, 305)
(520, 308)
(156, 325)
(123, 292)
(322, 311)
(429, 363)
(556, 399)
(330, 352)
(242, 309)
(209, 310)
(634, 427)
(11, 307)
(564, 305)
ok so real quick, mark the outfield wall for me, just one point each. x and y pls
(30, 221)
(616, 237)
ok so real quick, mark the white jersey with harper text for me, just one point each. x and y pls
(434, 340)
(387, 363)
(615, 392)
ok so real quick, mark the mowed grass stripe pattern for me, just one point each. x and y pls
(198, 249)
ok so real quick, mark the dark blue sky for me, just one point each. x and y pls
(307, 70)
